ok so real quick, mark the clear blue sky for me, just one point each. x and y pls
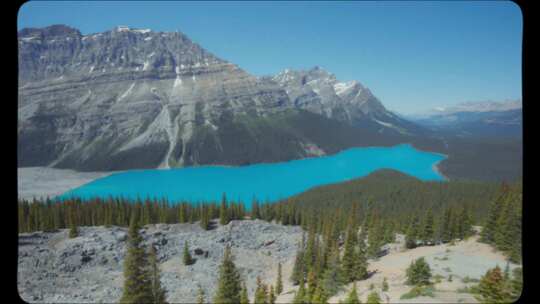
(412, 55)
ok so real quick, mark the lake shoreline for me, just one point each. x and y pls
(43, 182)
(438, 170)
(52, 182)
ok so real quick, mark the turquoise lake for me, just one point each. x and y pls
(266, 182)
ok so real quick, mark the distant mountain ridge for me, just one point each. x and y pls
(486, 106)
(134, 98)
(474, 106)
(488, 118)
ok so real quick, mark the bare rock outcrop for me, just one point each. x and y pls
(88, 268)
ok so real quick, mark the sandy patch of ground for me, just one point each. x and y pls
(49, 182)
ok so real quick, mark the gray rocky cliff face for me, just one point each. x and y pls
(136, 96)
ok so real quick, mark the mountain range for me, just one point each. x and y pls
(134, 98)
(474, 119)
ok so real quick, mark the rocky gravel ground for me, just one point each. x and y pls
(43, 182)
(88, 268)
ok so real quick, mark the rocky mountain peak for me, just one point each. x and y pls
(318, 90)
(49, 32)
(301, 77)
(60, 51)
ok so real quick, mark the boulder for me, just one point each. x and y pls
(121, 237)
(85, 259)
(269, 243)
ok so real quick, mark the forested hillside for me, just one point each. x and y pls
(396, 196)
(346, 225)
(478, 158)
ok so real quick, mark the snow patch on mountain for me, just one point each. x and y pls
(342, 87)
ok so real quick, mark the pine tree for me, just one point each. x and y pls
(300, 295)
(192, 216)
(513, 229)
(223, 211)
(454, 226)
(279, 281)
(352, 298)
(506, 274)
(201, 298)
(349, 260)
(496, 207)
(465, 223)
(73, 231)
(320, 257)
(146, 212)
(311, 285)
(228, 290)
(373, 298)
(412, 233)
(320, 296)
(446, 226)
(360, 263)
(158, 293)
(255, 212)
(491, 288)
(182, 213)
(311, 250)
(333, 278)
(502, 228)
(375, 239)
(271, 296)
(137, 287)
(428, 228)
(261, 295)
(188, 260)
(385, 285)
(298, 269)
(508, 234)
(205, 218)
(516, 284)
(244, 299)
(418, 272)
(389, 236)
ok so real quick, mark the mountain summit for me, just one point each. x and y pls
(318, 91)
